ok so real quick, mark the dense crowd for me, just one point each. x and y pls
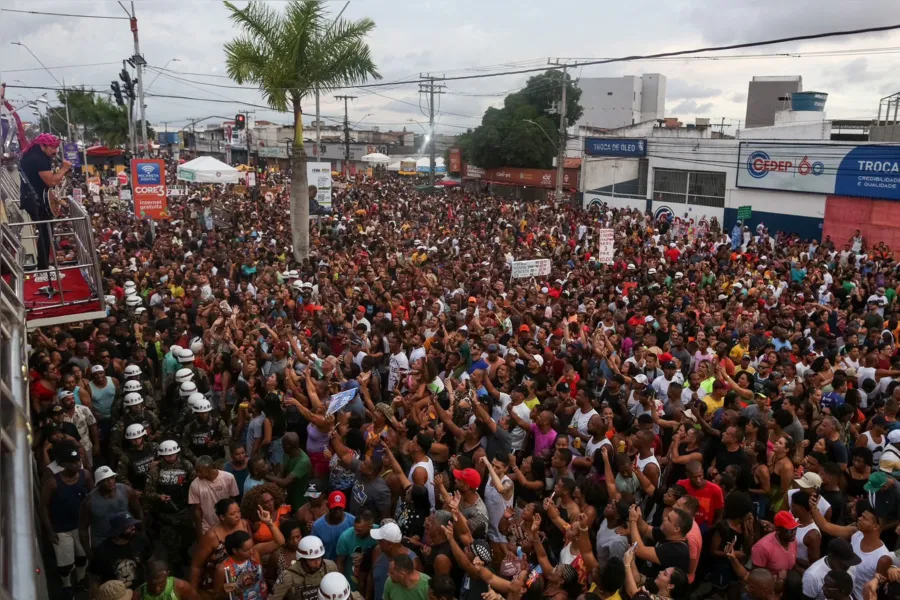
(713, 414)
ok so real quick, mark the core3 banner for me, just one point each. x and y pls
(846, 170)
(148, 182)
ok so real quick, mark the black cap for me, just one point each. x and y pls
(669, 364)
(120, 522)
(843, 551)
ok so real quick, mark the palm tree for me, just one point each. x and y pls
(289, 55)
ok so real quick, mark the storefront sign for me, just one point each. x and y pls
(455, 160)
(531, 268)
(319, 175)
(472, 172)
(606, 249)
(615, 147)
(543, 178)
(148, 185)
(868, 171)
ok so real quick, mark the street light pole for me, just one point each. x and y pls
(561, 153)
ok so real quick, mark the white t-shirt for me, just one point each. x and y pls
(864, 373)
(822, 504)
(517, 435)
(814, 579)
(398, 366)
(497, 412)
(416, 354)
(865, 570)
(580, 420)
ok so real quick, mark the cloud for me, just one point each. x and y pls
(730, 21)
(739, 98)
(690, 107)
(678, 89)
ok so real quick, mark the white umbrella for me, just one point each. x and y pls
(377, 158)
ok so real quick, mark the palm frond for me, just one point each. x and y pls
(262, 23)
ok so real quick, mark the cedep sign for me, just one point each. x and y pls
(869, 171)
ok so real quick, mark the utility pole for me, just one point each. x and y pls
(431, 89)
(561, 157)
(346, 133)
(139, 63)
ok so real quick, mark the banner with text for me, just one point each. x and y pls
(148, 184)
(319, 175)
(455, 160)
(542, 178)
(615, 147)
(70, 153)
(868, 171)
(530, 268)
(606, 250)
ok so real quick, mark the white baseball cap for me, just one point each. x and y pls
(389, 532)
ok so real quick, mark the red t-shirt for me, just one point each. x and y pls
(710, 497)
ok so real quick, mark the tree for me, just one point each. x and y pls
(100, 119)
(289, 55)
(523, 133)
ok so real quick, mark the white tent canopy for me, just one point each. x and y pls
(207, 169)
(394, 166)
(426, 162)
(377, 158)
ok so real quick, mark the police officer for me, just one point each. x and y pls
(205, 434)
(176, 392)
(186, 359)
(167, 497)
(139, 452)
(135, 412)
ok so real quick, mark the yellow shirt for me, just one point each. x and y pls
(531, 403)
(738, 352)
(712, 405)
(177, 291)
(615, 596)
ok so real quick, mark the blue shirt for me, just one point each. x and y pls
(330, 534)
(832, 400)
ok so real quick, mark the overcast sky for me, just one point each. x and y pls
(458, 37)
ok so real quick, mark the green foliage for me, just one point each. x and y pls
(506, 138)
(102, 120)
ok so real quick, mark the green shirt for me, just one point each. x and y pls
(352, 548)
(393, 591)
(300, 468)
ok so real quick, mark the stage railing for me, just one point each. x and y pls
(77, 229)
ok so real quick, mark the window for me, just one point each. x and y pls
(700, 188)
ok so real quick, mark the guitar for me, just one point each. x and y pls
(53, 198)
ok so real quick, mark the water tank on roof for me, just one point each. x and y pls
(814, 101)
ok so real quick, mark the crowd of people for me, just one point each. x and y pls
(397, 418)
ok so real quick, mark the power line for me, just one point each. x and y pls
(103, 64)
(658, 55)
(53, 14)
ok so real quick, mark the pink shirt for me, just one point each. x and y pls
(695, 545)
(542, 441)
(207, 493)
(769, 554)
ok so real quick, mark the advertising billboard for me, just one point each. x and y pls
(148, 186)
(455, 160)
(542, 178)
(408, 167)
(868, 171)
(615, 147)
(319, 175)
(70, 153)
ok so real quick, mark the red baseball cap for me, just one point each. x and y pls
(786, 520)
(470, 477)
(524, 328)
(337, 499)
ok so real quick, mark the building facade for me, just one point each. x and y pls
(613, 102)
(769, 95)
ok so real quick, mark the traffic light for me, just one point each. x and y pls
(128, 83)
(240, 121)
(117, 92)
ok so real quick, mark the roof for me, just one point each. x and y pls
(572, 163)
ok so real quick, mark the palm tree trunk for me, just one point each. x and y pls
(299, 191)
